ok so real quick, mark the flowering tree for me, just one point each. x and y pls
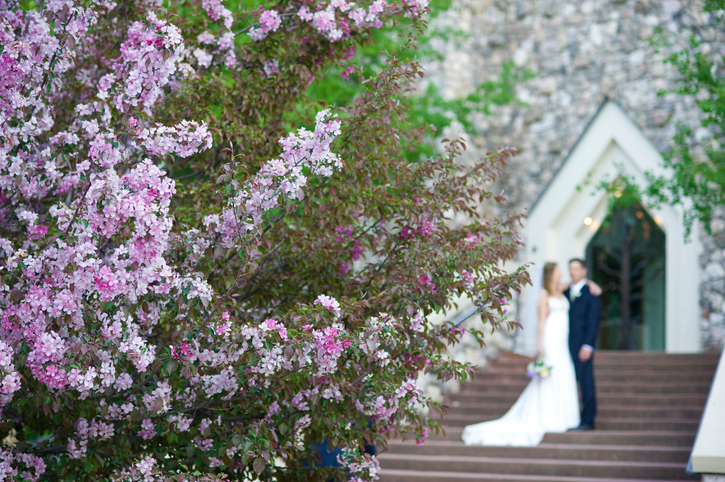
(192, 284)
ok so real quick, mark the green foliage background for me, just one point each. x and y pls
(694, 182)
(427, 109)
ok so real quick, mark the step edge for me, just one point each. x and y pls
(504, 460)
(547, 478)
(605, 447)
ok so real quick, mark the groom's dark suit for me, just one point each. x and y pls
(584, 313)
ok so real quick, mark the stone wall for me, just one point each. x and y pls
(580, 52)
(712, 289)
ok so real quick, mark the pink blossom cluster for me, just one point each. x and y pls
(330, 303)
(356, 251)
(269, 21)
(379, 330)
(417, 323)
(345, 74)
(223, 327)
(334, 20)
(382, 407)
(216, 10)
(148, 429)
(471, 241)
(343, 268)
(407, 232)
(224, 43)
(147, 64)
(328, 348)
(31, 470)
(10, 377)
(425, 280)
(149, 60)
(183, 139)
(424, 229)
(29, 44)
(424, 435)
(271, 67)
(362, 467)
(371, 17)
(144, 470)
(279, 178)
(415, 7)
(467, 280)
(274, 325)
(344, 232)
(96, 430)
(299, 401)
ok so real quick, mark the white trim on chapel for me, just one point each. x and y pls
(556, 230)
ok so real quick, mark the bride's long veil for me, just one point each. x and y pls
(526, 337)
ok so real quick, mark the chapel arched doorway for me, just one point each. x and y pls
(626, 257)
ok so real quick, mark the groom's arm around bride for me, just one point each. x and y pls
(584, 314)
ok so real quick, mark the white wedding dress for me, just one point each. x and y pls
(548, 405)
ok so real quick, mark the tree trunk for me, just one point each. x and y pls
(625, 293)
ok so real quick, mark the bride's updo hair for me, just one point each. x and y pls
(549, 269)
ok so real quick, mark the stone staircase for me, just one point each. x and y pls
(649, 410)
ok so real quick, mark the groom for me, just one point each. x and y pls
(584, 312)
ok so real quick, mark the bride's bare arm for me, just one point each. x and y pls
(543, 309)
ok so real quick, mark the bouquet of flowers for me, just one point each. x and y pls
(538, 369)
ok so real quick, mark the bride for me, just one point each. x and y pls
(546, 405)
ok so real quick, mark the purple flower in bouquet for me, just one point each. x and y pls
(538, 369)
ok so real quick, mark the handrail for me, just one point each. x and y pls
(464, 315)
(708, 453)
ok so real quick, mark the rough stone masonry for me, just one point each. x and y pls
(580, 52)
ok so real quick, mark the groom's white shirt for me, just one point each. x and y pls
(574, 291)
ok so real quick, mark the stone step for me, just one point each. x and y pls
(600, 437)
(602, 387)
(625, 368)
(497, 410)
(695, 375)
(629, 356)
(620, 437)
(602, 423)
(387, 475)
(638, 355)
(631, 453)
(534, 466)
(613, 364)
(510, 396)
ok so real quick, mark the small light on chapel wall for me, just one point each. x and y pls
(658, 220)
(588, 221)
